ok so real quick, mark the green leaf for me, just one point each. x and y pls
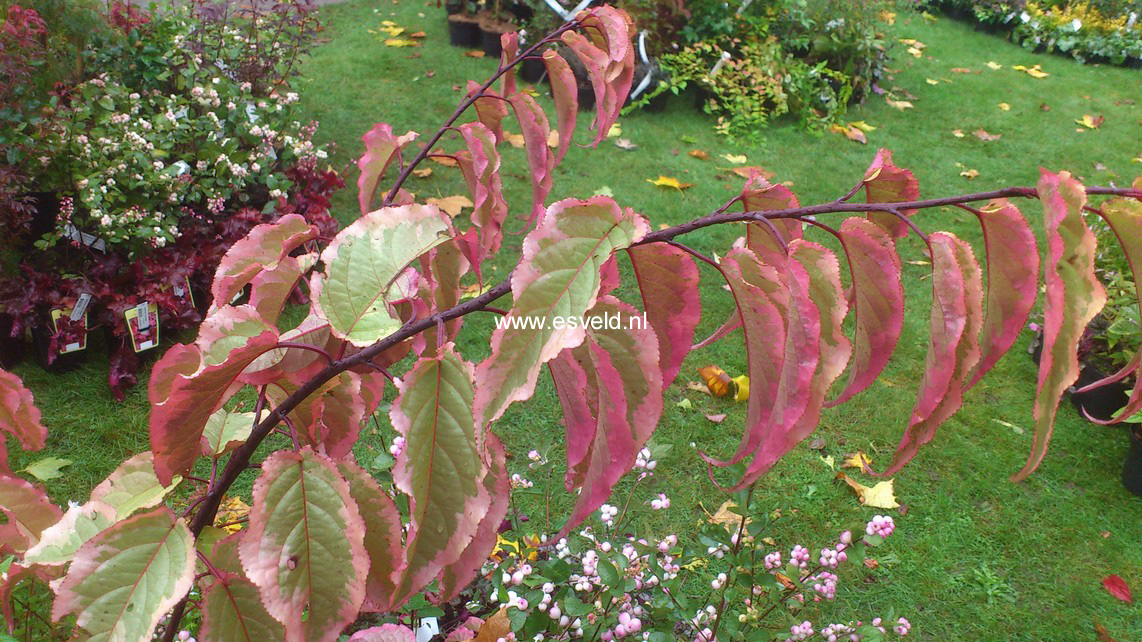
(106, 103)
(225, 431)
(557, 277)
(440, 469)
(59, 542)
(304, 546)
(133, 486)
(126, 578)
(47, 468)
(363, 265)
(608, 573)
(232, 610)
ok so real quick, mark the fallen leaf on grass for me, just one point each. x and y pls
(994, 65)
(1104, 534)
(1103, 634)
(983, 135)
(48, 468)
(916, 52)
(1118, 588)
(1016, 429)
(1004, 106)
(474, 54)
(871, 563)
(422, 173)
(1035, 71)
(881, 495)
(553, 139)
(817, 444)
(699, 154)
(667, 181)
(858, 460)
(898, 104)
(417, 34)
(685, 404)
(888, 17)
(1090, 122)
(737, 159)
(624, 143)
(615, 131)
(474, 290)
(1044, 107)
(698, 387)
(852, 133)
(726, 517)
(931, 81)
(829, 461)
(233, 509)
(452, 205)
(718, 418)
(446, 161)
(963, 70)
(863, 126)
(958, 133)
(717, 381)
(970, 173)
(402, 42)
(514, 139)
(749, 170)
(785, 581)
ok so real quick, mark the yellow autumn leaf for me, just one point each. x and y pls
(529, 90)
(858, 460)
(1035, 71)
(958, 133)
(699, 154)
(994, 65)
(1136, 159)
(553, 139)
(736, 159)
(393, 30)
(495, 628)
(422, 173)
(696, 564)
(726, 517)
(769, 541)
(742, 391)
(931, 81)
(1090, 122)
(882, 495)
(969, 173)
(1004, 106)
(401, 42)
(898, 104)
(667, 181)
(888, 17)
(615, 131)
(916, 52)
(452, 205)
(472, 291)
(863, 126)
(232, 510)
(514, 139)
(388, 23)
(446, 161)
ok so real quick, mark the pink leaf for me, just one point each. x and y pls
(759, 195)
(184, 394)
(481, 169)
(1012, 281)
(1118, 588)
(455, 577)
(565, 91)
(1074, 297)
(262, 249)
(953, 345)
(628, 402)
(887, 183)
(606, 51)
(878, 302)
(535, 129)
(441, 270)
(668, 282)
(718, 418)
(382, 536)
(19, 417)
(270, 289)
(609, 277)
(762, 301)
(385, 633)
(381, 148)
(574, 389)
(232, 610)
(509, 51)
(27, 512)
(1125, 218)
(304, 545)
(491, 110)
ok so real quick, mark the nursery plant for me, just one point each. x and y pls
(326, 542)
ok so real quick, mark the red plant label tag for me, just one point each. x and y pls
(143, 326)
(71, 335)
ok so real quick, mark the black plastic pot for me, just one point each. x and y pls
(1100, 403)
(463, 31)
(11, 348)
(532, 70)
(1132, 469)
(490, 42)
(58, 363)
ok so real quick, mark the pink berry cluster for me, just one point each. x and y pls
(881, 525)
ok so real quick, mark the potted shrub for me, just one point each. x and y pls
(494, 21)
(463, 28)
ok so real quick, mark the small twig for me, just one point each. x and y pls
(907, 221)
(851, 193)
(303, 346)
(695, 253)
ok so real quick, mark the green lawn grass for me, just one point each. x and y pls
(975, 556)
